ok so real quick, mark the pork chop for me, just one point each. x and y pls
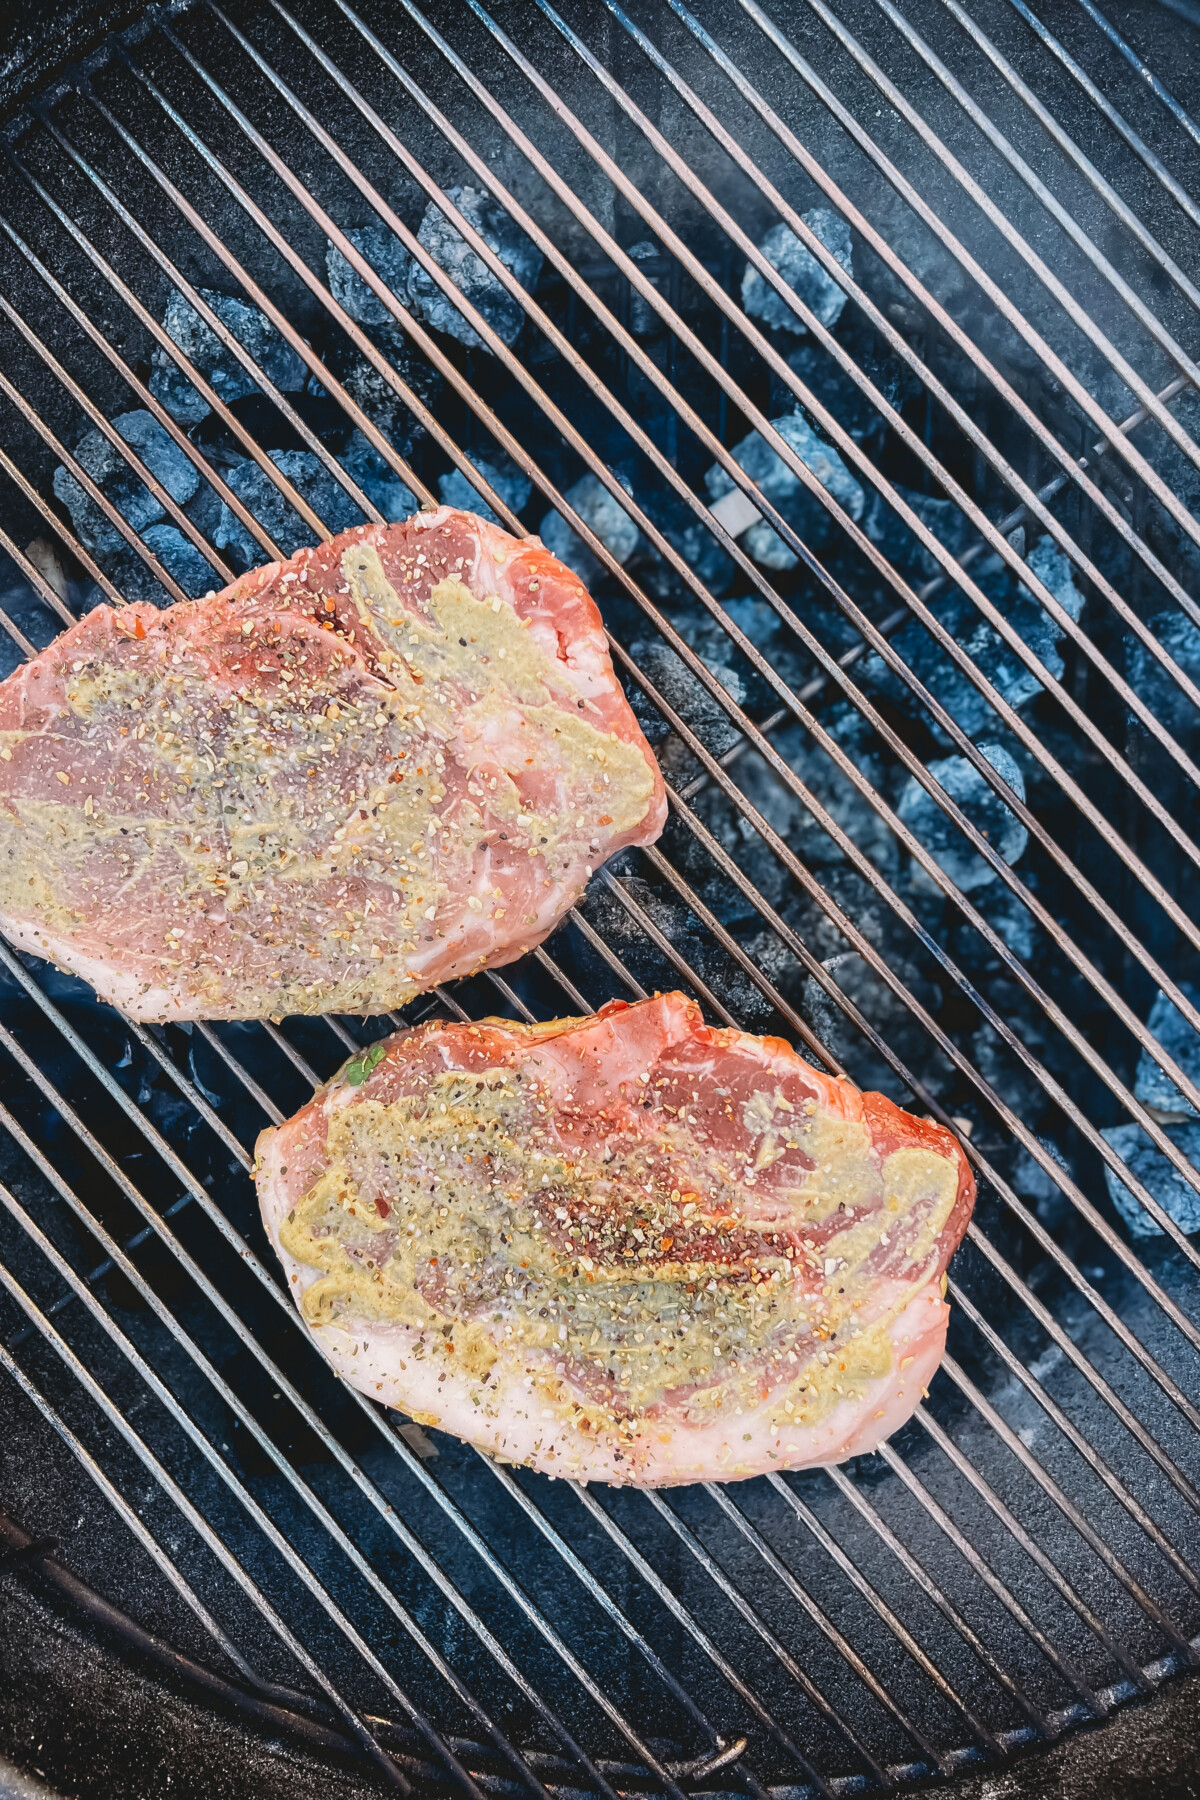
(384, 763)
(627, 1248)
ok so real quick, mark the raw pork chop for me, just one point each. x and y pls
(626, 1248)
(389, 761)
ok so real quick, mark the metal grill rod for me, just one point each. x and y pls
(120, 1260)
(376, 198)
(995, 293)
(113, 437)
(32, 417)
(962, 1543)
(365, 1404)
(994, 536)
(1144, 73)
(513, 287)
(1104, 105)
(1072, 468)
(14, 631)
(696, 1632)
(211, 1539)
(932, 1589)
(1030, 1545)
(310, 1417)
(869, 1593)
(1001, 223)
(48, 595)
(129, 1517)
(212, 320)
(1141, 149)
(1062, 217)
(317, 368)
(1073, 1515)
(850, 452)
(364, 1485)
(207, 470)
(1078, 1442)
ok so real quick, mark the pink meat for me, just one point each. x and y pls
(387, 762)
(626, 1248)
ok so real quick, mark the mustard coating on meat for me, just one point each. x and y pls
(225, 814)
(620, 1280)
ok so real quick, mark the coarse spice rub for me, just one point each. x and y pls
(390, 761)
(627, 1248)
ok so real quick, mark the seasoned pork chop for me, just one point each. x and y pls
(390, 761)
(626, 1248)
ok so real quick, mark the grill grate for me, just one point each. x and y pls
(1022, 1557)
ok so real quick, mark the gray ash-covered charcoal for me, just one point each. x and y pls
(109, 470)
(254, 487)
(602, 513)
(644, 320)
(997, 661)
(181, 559)
(802, 272)
(1004, 668)
(784, 488)
(370, 390)
(1034, 1183)
(1166, 1023)
(687, 534)
(1178, 1199)
(219, 366)
(687, 695)
(1008, 917)
(982, 805)
(864, 988)
(390, 261)
(377, 479)
(1053, 569)
(837, 794)
(1156, 686)
(501, 474)
(474, 280)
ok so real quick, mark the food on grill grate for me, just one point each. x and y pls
(390, 761)
(626, 1248)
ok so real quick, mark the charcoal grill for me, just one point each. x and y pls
(1015, 367)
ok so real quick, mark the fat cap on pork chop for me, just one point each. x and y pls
(626, 1248)
(389, 761)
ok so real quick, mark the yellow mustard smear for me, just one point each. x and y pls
(240, 805)
(494, 1242)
